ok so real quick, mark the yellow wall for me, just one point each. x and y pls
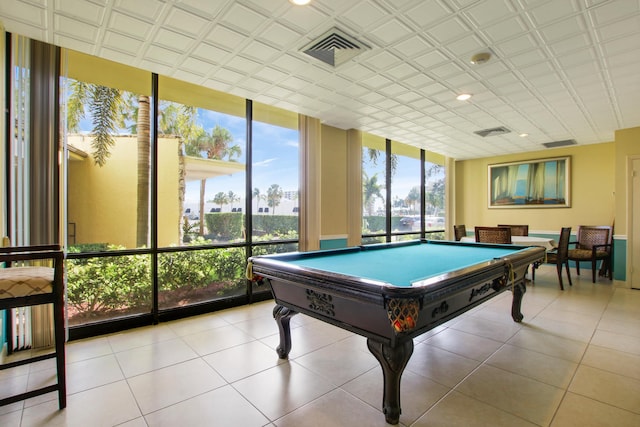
(592, 191)
(102, 200)
(334, 182)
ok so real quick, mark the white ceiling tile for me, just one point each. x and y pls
(506, 29)
(553, 11)
(82, 10)
(75, 29)
(445, 70)
(614, 10)
(280, 36)
(519, 44)
(428, 12)
(210, 53)
(449, 30)
(172, 40)
(204, 8)
(465, 47)
(382, 61)
(142, 9)
(390, 32)
(228, 75)
(431, 59)
(259, 51)
(364, 15)
(225, 37)
(412, 46)
(185, 22)
(196, 66)
(560, 30)
(490, 11)
(162, 55)
(243, 19)
(623, 27)
(122, 43)
(129, 25)
(305, 19)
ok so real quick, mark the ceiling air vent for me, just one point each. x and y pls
(555, 144)
(334, 47)
(493, 131)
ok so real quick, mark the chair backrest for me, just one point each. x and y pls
(590, 235)
(459, 231)
(563, 244)
(493, 234)
(517, 230)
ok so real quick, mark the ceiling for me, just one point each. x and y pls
(560, 69)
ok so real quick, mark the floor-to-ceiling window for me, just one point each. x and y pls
(402, 192)
(106, 107)
(170, 187)
(406, 202)
(374, 189)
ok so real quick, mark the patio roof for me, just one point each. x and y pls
(198, 168)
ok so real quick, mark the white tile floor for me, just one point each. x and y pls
(574, 361)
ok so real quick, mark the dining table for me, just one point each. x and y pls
(547, 243)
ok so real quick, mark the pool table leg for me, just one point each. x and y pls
(283, 316)
(518, 292)
(392, 361)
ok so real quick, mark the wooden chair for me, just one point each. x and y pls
(517, 230)
(559, 257)
(459, 231)
(594, 244)
(24, 281)
(493, 234)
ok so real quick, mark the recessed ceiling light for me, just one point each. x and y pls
(300, 2)
(524, 135)
(480, 58)
(463, 97)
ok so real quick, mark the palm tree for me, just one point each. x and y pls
(413, 197)
(232, 197)
(108, 109)
(256, 195)
(216, 146)
(220, 199)
(370, 190)
(274, 195)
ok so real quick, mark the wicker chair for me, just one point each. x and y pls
(459, 231)
(559, 257)
(493, 234)
(517, 230)
(593, 245)
(25, 281)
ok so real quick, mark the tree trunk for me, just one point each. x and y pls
(203, 184)
(144, 142)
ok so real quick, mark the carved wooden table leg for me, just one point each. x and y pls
(283, 317)
(518, 292)
(393, 361)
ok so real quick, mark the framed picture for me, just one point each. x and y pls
(544, 183)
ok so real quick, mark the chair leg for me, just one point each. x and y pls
(593, 270)
(559, 269)
(568, 273)
(59, 332)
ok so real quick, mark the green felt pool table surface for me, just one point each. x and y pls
(403, 265)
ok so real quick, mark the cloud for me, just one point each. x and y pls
(265, 162)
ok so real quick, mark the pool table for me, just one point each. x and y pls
(391, 292)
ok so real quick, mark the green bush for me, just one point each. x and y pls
(277, 225)
(109, 283)
(224, 226)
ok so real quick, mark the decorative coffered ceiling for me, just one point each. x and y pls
(560, 69)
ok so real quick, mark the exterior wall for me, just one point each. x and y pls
(111, 217)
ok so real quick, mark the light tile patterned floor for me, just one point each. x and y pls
(574, 361)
